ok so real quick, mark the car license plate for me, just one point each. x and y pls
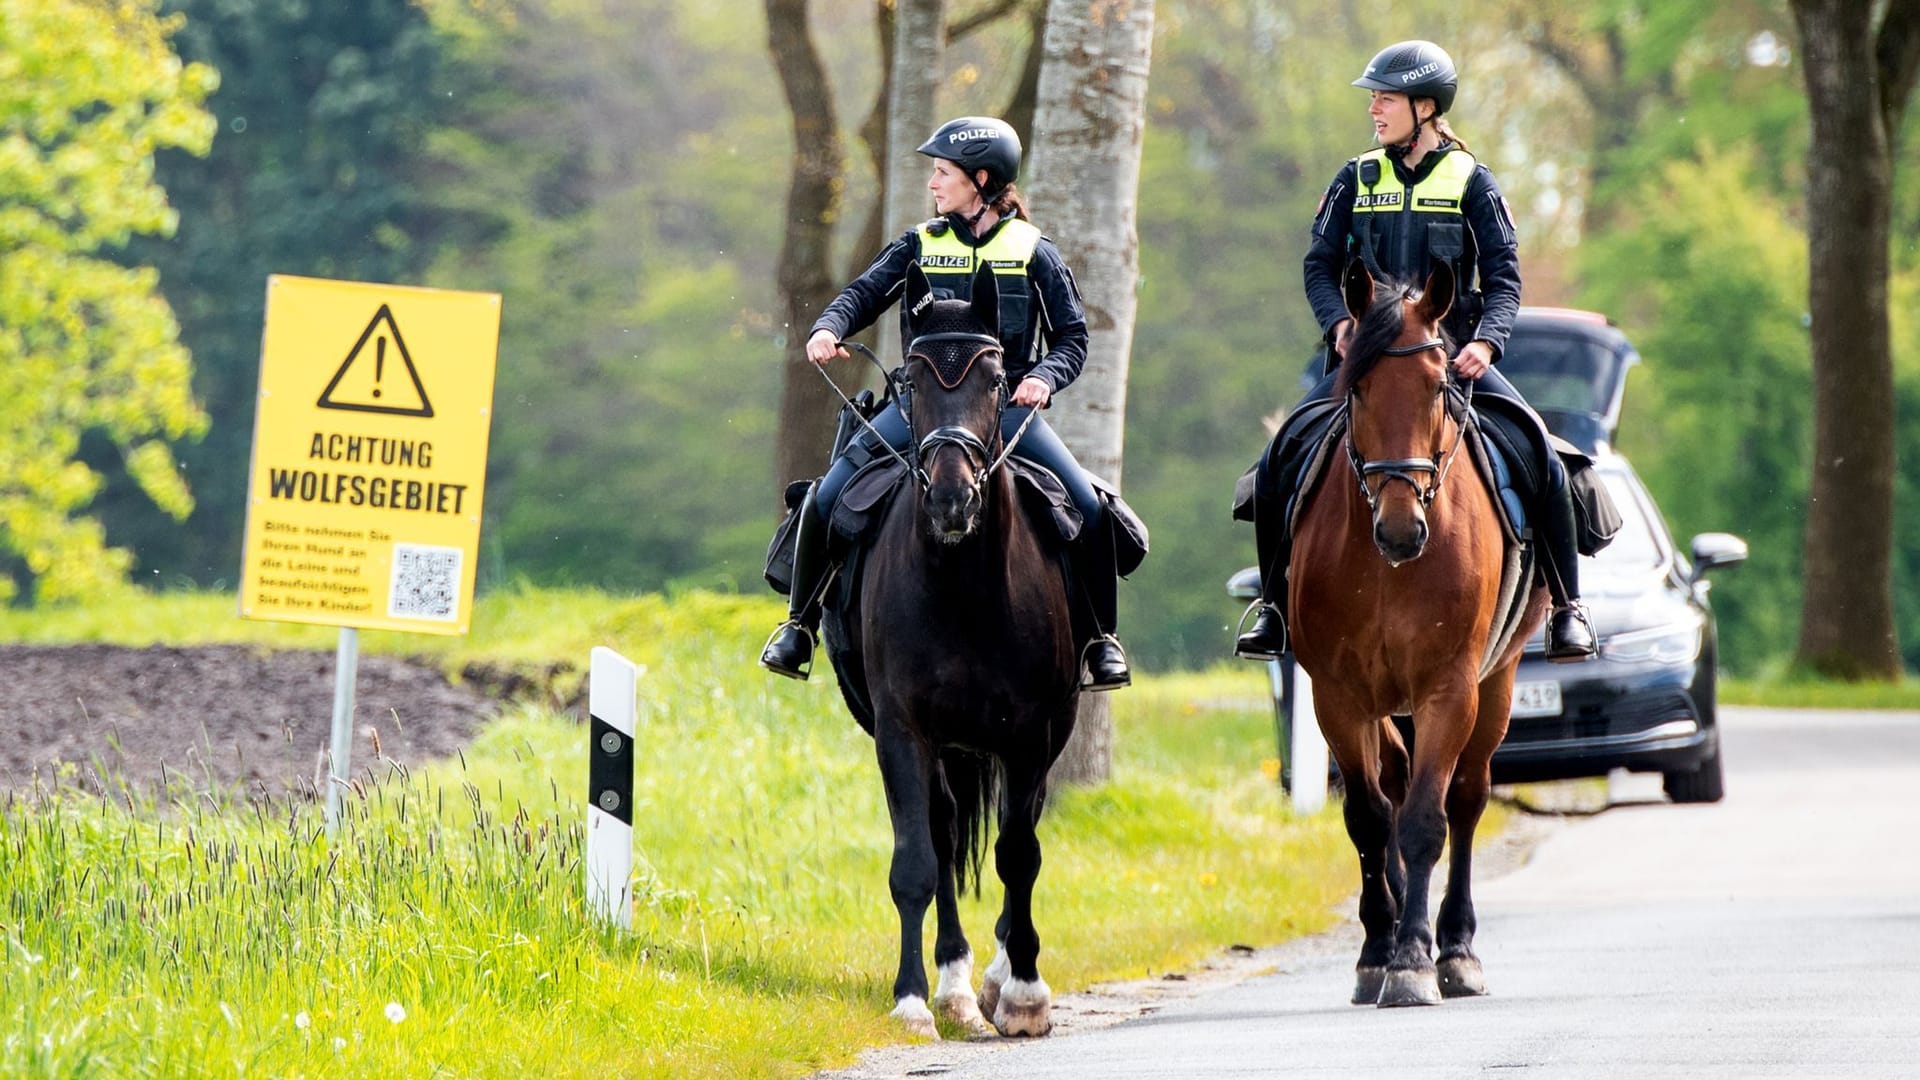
(1536, 698)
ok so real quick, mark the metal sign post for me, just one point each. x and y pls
(611, 704)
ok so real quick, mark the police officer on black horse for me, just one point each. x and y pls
(1416, 198)
(1043, 332)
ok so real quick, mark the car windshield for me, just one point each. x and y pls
(1561, 372)
(1634, 548)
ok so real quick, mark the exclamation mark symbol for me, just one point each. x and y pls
(379, 362)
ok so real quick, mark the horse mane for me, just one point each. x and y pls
(1375, 333)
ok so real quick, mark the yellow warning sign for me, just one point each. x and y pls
(369, 455)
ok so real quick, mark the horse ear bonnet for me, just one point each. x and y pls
(949, 338)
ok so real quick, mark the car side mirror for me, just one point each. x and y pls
(1716, 549)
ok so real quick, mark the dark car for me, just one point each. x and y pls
(1647, 702)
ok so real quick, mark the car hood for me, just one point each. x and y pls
(1623, 602)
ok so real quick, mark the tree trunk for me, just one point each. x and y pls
(1089, 119)
(805, 283)
(1846, 621)
(919, 43)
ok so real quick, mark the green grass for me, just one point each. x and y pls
(202, 936)
(1806, 692)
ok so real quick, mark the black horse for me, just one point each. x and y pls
(955, 650)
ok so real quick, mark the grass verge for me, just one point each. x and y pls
(443, 934)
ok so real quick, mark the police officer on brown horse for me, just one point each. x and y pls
(1417, 198)
(982, 221)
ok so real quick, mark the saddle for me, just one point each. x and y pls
(1297, 459)
(864, 502)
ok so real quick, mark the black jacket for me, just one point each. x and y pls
(1061, 326)
(1493, 252)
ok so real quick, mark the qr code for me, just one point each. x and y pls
(426, 583)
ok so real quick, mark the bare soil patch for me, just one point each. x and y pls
(224, 717)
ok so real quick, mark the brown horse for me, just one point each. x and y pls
(957, 654)
(1395, 583)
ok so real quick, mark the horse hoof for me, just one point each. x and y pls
(1024, 1008)
(1460, 976)
(1367, 984)
(1414, 987)
(963, 1010)
(914, 1015)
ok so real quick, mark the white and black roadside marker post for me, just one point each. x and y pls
(611, 696)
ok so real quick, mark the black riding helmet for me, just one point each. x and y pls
(979, 142)
(1416, 69)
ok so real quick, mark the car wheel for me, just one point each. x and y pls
(1702, 785)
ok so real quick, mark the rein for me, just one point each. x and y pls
(1407, 469)
(950, 434)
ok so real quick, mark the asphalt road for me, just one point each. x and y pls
(1775, 934)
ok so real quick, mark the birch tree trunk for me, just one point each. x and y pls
(1084, 174)
(1858, 76)
(919, 44)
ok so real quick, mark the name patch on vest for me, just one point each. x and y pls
(1380, 201)
(946, 260)
(1006, 264)
(1437, 204)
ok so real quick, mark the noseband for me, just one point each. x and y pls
(951, 373)
(1408, 469)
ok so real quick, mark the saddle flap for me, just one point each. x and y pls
(863, 501)
(1130, 540)
(1045, 498)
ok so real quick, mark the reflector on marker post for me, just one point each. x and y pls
(611, 692)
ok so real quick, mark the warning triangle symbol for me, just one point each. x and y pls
(371, 378)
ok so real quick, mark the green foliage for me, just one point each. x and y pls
(1708, 278)
(88, 94)
(230, 935)
(323, 109)
(625, 199)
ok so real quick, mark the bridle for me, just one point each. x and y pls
(1408, 469)
(970, 443)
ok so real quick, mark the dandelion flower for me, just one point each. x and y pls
(396, 1012)
(339, 1044)
(1270, 768)
(302, 1021)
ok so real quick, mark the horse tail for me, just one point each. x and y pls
(974, 782)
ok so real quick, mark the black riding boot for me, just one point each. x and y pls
(1105, 660)
(1569, 629)
(1267, 638)
(789, 651)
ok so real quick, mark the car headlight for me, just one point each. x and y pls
(1671, 644)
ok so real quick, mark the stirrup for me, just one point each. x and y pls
(778, 664)
(1244, 644)
(1087, 680)
(1580, 650)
